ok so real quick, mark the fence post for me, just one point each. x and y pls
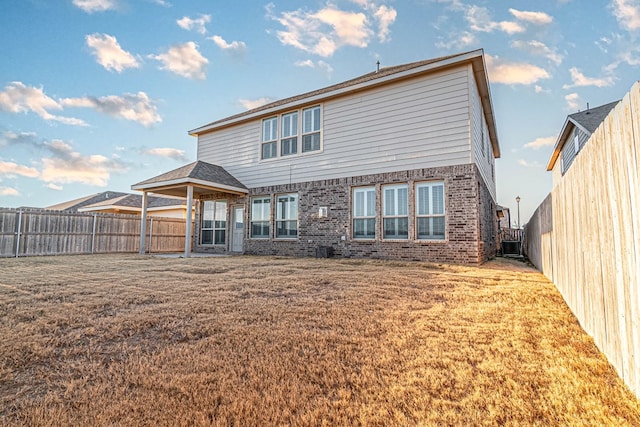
(150, 233)
(18, 232)
(93, 235)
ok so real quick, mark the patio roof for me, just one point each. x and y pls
(202, 176)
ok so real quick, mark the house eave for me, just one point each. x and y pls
(159, 187)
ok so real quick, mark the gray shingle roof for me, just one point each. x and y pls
(590, 119)
(74, 205)
(197, 170)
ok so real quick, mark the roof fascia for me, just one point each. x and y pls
(562, 140)
(174, 183)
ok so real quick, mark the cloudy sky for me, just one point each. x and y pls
(97, 95)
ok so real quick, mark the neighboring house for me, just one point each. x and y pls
(504, 217)
(576, 131)
(397, 163)
(124, 203)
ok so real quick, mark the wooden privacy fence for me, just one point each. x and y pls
(27, 232)
(585, 237)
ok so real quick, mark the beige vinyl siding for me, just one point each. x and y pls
(417, 123)
(483, 154)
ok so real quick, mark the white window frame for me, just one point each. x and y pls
(215, 220)
(260, 215)
(289, 133)
(269, 137)
(431, 211)
(288, 215)
(395, 210)
(311, 130)
(368, 214)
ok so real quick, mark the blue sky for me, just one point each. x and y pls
(97, 95)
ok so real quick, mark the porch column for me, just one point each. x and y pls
(189, 216)
(143, 222)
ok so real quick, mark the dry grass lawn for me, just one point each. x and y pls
(125, 340)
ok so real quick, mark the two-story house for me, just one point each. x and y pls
(397, 163)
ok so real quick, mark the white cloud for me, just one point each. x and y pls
(135, 107)
(11, 169)
(234, 46)
(538, 48)
(109, 54)
(526, 164)
(184, 60)
(68, 166)
(385, 16)
(537, 18)
(171, 153)
(250, 104)
(19, 98)
(573, 101)
(480, 20)
(541, 142)
(7, 191)
(510, 73)
(55, 187)
(458, 41)
(91, 6)
(627, 12)
(578, 80)
(197, 24)
(319, 64)
(324, 31)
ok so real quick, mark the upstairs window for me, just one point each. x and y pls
(311, 129)
(269, 138)
(430, 216)
(395, 220)
(289, 142)
(364, 213)
(287, 216)
(260, 217)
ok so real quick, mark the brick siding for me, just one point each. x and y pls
(470, 218)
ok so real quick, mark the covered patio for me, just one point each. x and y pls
(191, 181)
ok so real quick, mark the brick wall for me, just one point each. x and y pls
(470, 218)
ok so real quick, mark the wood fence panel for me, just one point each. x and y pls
(585, 237)
(42, 232)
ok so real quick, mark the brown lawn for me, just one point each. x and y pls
(125, 340)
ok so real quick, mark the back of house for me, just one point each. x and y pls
(398, 163)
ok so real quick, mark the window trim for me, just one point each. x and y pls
(268, 220)
(430, 184)
(213, 227)
(277, 219)
(290, 136)
(384, 189)
(299, 136)
(354, 217)
(272, 141)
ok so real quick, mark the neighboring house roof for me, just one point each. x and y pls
(134, 202)
(202, 175)
(117, 201)
(383, 76)
(587, 121)
(73, 205)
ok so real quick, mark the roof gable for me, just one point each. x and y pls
(587, 121)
